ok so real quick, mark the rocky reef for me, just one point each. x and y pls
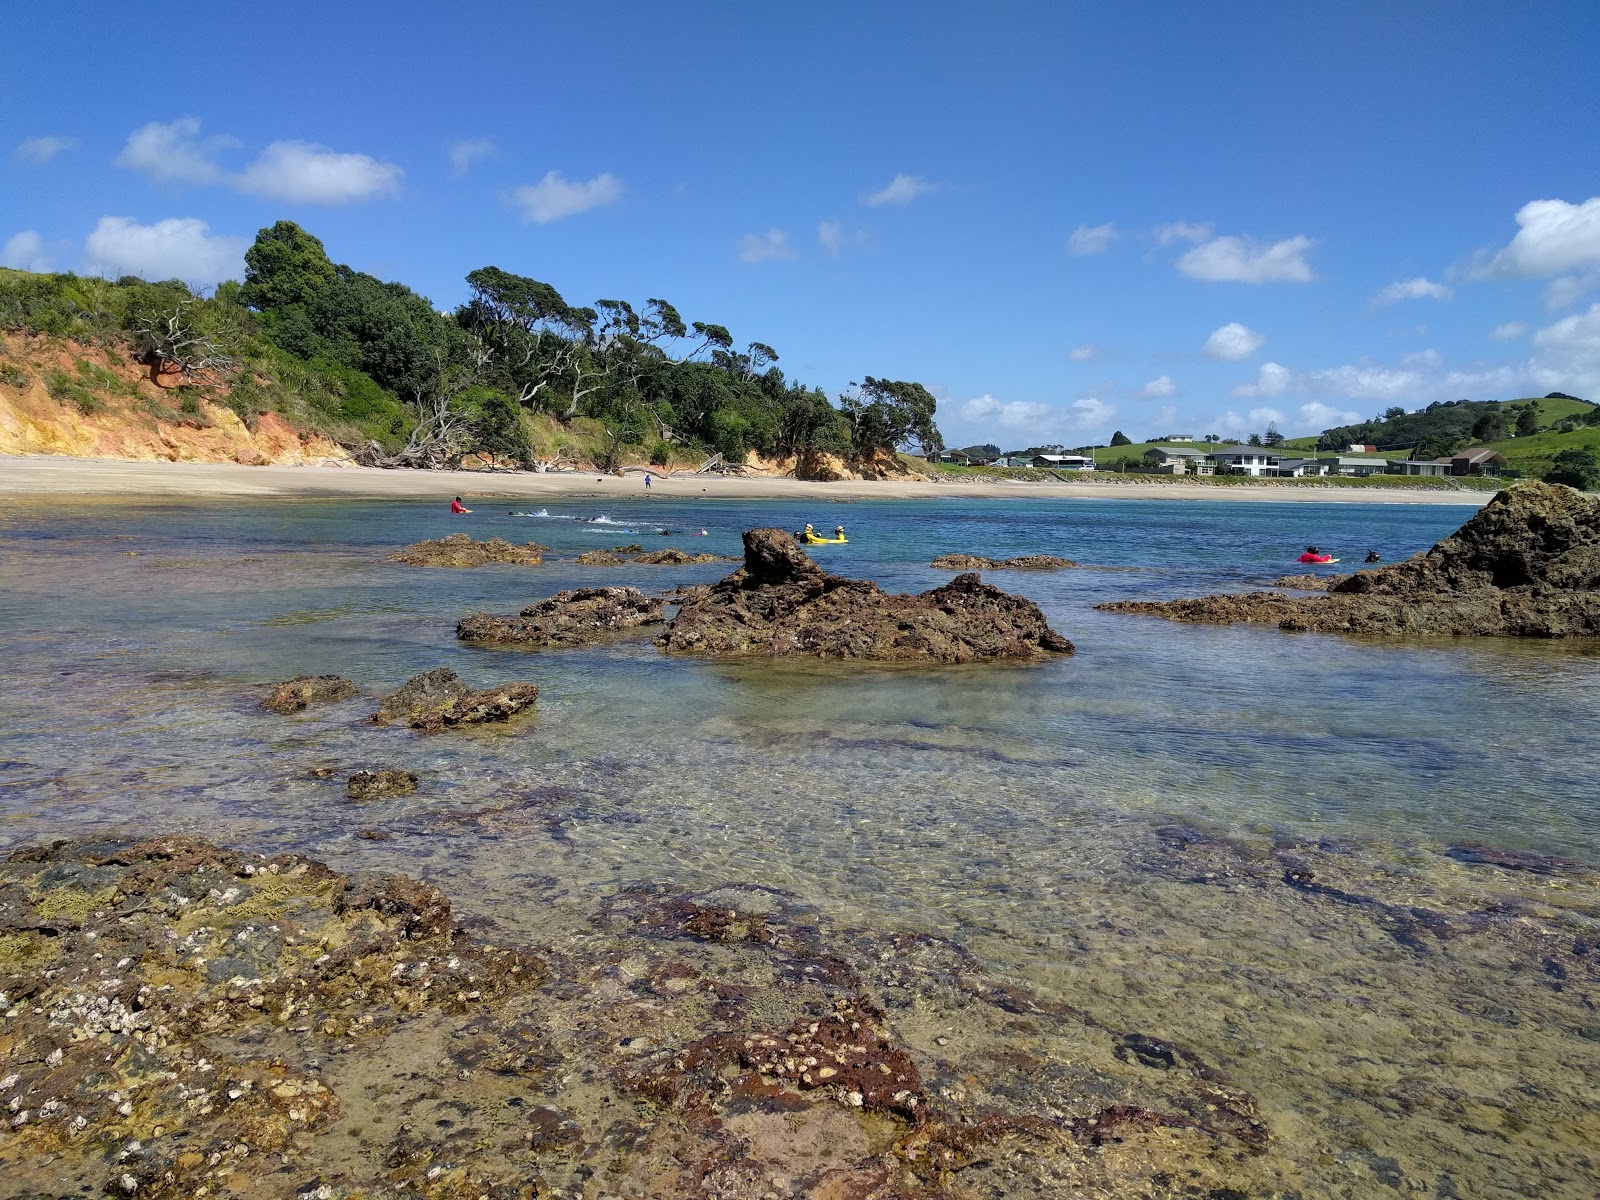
(300, 693)
(1022, 562)
(437, 700)
(671, 556)
(600, 558)
(1526, 565)
(376, 785)
(184, 1020)
(580, 617)
(462, 550)
(781, 603)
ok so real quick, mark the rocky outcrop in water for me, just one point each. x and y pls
(671, 556)
(1526, 565)
(1307, 583)
(438, 700)
(298, 694)
(461, 550)
(781, 603)
(376, 785)
(1023, 562)
(600, 558)
(580, 617)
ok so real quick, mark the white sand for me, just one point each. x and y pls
(60, 476)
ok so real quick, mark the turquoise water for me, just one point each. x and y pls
(1017, 809)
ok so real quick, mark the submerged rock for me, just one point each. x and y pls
(580, 617)
(781, 603)
(600, 558)
(1307, 583)
(375, 785)
(460, 550)
(1022, 562)
(438, 700)
(1526, 565)
(671, 556)
(298, 694)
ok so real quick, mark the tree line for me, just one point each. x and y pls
(408, 385)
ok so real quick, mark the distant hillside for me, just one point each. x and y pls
(1444, 428)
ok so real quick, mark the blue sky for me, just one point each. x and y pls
(1063, 219)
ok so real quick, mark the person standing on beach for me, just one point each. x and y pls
(456, 507)
(647, 481)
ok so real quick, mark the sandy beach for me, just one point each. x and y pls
(60, 476)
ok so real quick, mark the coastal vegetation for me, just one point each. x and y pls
(516, 376)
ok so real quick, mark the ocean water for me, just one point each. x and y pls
(1018, 809)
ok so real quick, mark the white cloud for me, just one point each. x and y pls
(1316, 416)
(175, 152)
(772, 246)
(1242, 260)
(467, 152)
(177, 248)
(1420, 288)
(1180, 231)
(1089, 413)
(1272, 379)
(1567, 354)
(1159, 388)
(1232, 342)
(1568, 290)
(1038, 420)
(25, 252)
(834, 238)
(1087, 352)
(306, 173)
(554, 196)
(902, 189)
(1555, 237)
(1092, 239)
(35, 152)
(1509, 332)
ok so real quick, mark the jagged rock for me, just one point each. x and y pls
(438, 700)
(781, 603)
(580, 617)
(374, 785)
(1307, 583)
(600, 558)
(671, 556)
(298, 694)
(1526, 565)
(460, 550)
(1022, 562)
(630, 548)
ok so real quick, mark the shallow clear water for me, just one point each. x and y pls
(994, 804)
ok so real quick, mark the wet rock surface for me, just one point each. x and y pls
(580, 617)
(1022, 562)
(461, 550)
(781, 603)
(600, 558)
(1526, 565)
(187, 1020)
(376, 785)
(1307, 583)
(298, 694)
(671, 556)
(438, 699)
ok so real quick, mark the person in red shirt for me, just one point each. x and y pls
(457, 507)
(1313, 555)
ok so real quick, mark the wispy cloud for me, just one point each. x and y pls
(1420, 288)
(174, 152)
(555, 196)
(834, 238)
(1242, 260)
(25, 251)
(1159, 388)
(177, 248)
(468, 152)
(1180, 231)
(1087, 352)
(35, 152)
(772, 246)
(1092, 239)
(1036, 420)
(902, 189)
(1509, 332)
(1232, 342)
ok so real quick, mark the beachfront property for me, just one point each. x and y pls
(1358, 465)
(1480, 460)
(1419, 466)
(1179, 460)
(1294, 468)
(1063, 462)
(1245, 460)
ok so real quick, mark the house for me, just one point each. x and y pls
(954, 458)
(1180, 437)
(1176, 460)
(1354, 464)
(1015, 460)
(1417, 466)
(1293, 468)
(1064, 462)
(1356, 448)
(1479, 461)
(1244, 460)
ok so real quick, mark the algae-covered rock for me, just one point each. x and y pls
(1022, 562)
(671, 556)
(375, 785)
(781, 603)
(1526, 565)
(438, 700)
(298, 694)
(462, 550)
(580, 617)
(600, 558)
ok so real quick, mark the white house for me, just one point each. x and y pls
(1178, 460)
(1064, 462)
(1245, 460)
(1355, 464)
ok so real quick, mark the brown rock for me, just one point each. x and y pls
(1526, 565)
(600, 558)
(298, 694)
(461, 550)
(438, 700)
(374, 785)
(781, 603)
(580, 617)
(966, 562)
(1307, 583)
(671, 556)
(1022, 562)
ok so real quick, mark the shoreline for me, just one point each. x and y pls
(63, 477)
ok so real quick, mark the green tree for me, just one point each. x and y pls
(1528, 421)
(1491, 427)
(284, 266)
(885, 414)
(1577, 467)
(1272, 437)
(1121, 439)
